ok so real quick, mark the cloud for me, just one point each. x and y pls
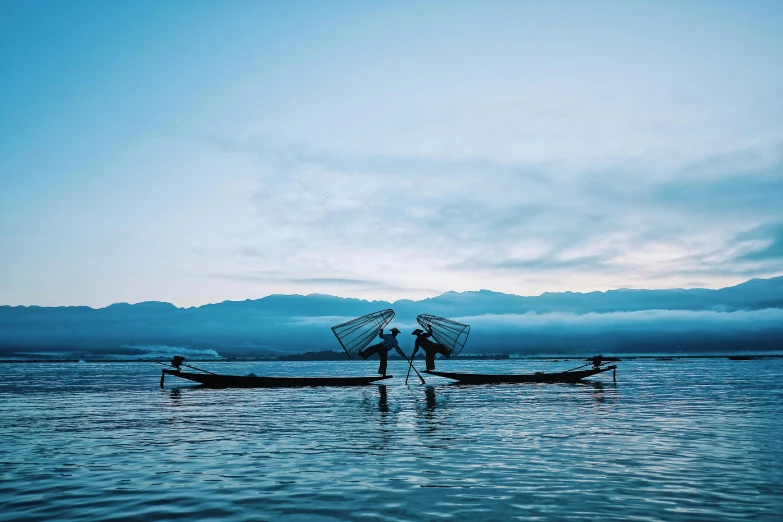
(254, 277)
(427, 222)
(162, 352)
(345, 287)
(270, 275)
(772, 235)
(550, 262)
(332, 280)
(650, 331)
(772, 317)
(522, 148)
(746, 195)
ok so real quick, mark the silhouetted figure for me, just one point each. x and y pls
(597, 360)
(430, 348)
(177, 361)
(382, 349)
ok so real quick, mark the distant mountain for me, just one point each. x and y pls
(746, 316)
(755, 294)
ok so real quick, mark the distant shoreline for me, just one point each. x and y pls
(330, 356)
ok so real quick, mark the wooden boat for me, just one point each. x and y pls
(213, 380)
(483, 378)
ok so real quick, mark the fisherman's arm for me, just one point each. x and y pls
(393, 344)
(416, 345)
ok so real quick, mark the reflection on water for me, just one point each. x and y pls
(429, 394)
(682, 440)
(383, 400)
(175, 393)
(598, 389)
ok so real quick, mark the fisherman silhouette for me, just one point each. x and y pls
(430, 348)
(177, 361)
(597, 360)
(382, 349)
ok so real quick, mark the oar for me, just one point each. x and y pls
(183, 364)
(409, 368)
(199, 369)
(572, 369)
(410, 362)
(162, 374)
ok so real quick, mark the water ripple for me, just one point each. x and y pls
(695, 439)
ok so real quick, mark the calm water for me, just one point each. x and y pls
(698, 439)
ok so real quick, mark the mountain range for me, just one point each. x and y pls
(746, 317)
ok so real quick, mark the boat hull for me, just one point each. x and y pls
(211, 380)
(479, 378)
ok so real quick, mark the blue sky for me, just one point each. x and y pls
(194, 152)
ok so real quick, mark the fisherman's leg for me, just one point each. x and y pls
(382, 367)
(370, 350)
(444, 351)
(429, 358)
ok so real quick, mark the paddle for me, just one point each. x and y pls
(409, 367)
(199, 369)
(572, 369)
(187, 365)
(410, 362)
(163, 375)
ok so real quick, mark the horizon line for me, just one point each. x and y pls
(391, 302)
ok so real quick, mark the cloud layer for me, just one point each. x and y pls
(387, 151)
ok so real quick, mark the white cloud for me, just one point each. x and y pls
(615, 321)
(414, 222)
(516, 147)
(162, 352)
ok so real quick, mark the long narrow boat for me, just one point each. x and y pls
(213, 380)
(483, 378)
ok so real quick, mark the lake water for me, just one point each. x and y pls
(689, 439)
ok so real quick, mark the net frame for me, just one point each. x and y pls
(357, 333)
(451, 334)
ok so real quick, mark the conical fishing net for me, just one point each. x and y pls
(358, 333)
(451, 334)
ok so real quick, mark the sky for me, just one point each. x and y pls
(195, 152)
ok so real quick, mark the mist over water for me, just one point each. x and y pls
(748, 316)
(692, 439)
